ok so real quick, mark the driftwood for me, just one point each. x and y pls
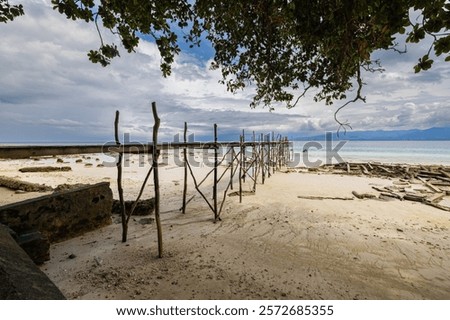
(44, 169)
(324, 198)
(414, 197)
(436, 198)
(243, 193)
(435, 178)
(363, 195)
(436, 205)
(429, 185)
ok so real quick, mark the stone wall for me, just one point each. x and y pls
(63, 214)
(20, 278)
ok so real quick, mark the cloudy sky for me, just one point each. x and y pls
(51, 92)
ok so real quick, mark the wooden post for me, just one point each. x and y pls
(231, 167)
(119, 180)
(263, 171)
(185, 169)
(244, 157)
(269, 155)
(241, 140)
(254, 162)
(216, 164)
(156, 178)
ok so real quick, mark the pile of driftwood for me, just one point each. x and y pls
(428, 184)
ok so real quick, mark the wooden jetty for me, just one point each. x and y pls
(255, 159)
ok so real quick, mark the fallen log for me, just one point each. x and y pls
(414, 197)
(392, 195)
(363, 195)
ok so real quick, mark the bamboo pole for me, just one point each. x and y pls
(185, 169)
(216, 163)
(156, 178)
(243, 163)
(119, 180)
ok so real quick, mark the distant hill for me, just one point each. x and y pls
(381, 135)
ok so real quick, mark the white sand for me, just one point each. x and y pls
(272, 246)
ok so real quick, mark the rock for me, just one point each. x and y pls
(146, 221)
(143, 208)
(63, 214)
(15, 184)
(20, 278)
(72, 256)
(35, 245)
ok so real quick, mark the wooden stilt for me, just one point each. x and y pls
(156, 178)
(241, 170)
(231, 166)
(119, 180)
(216, 164)
(262, 164)
(185, 170)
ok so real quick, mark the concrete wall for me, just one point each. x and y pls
(20, 278)
(61, 215)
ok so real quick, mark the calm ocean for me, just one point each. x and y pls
(411, 152)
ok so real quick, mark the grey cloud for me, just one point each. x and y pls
(49, 90)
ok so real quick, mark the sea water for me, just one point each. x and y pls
(410, 152)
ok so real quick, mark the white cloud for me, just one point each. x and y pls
(50, 91)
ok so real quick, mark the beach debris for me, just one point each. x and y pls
(15, 184)
(98, 260)
(244, 193)
(44, 169)
(143, 207)
(427, 184)
(324, 198)
(364, 195)
(145, 221)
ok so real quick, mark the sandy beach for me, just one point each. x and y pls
(283, 242)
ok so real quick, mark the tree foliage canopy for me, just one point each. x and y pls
(9, 12)
(284, 47)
